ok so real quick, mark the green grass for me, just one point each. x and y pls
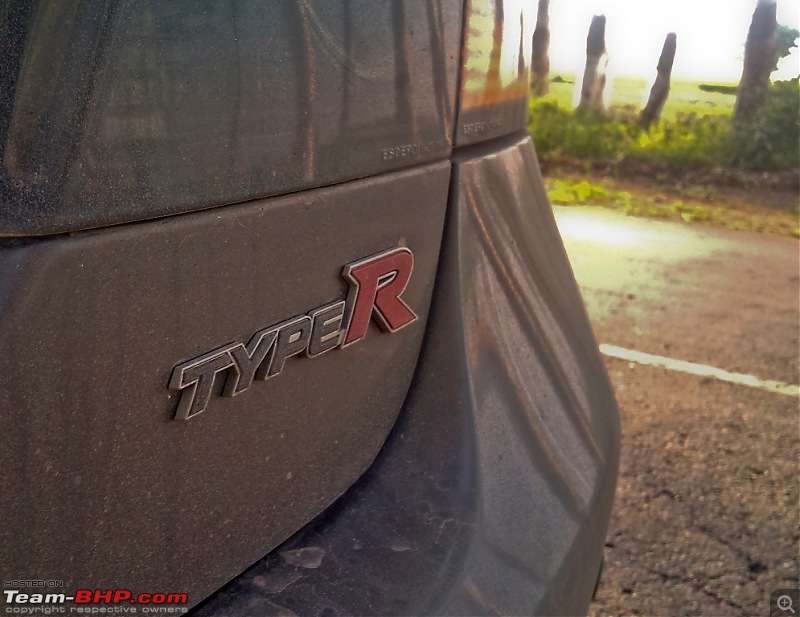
(629, 93)
(650, 203)
(695, 133)
(696, 128)
(617, 135)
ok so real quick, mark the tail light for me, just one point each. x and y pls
(495, 69)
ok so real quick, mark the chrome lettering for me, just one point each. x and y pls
(376, 284)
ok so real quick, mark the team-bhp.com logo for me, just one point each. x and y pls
(92, 602)
(376, 284)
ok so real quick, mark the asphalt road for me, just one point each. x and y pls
(707, 512)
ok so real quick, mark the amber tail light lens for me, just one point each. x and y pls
(495, 69)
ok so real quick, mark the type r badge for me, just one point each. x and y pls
(376, 285)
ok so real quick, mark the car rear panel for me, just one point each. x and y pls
(101, 481)
(116, 114)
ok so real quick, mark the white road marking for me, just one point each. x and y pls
(702, 370)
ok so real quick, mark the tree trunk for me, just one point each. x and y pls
(660, 89)
(344, 116)
(594, 78)
(442, 96)
(493, 84)
(404, 107)
(540, 67)
(304, 64)
(760, 54)
(521, 66)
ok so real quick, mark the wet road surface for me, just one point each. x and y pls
(706, 516)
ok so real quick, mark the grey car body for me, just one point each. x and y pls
(177, 178)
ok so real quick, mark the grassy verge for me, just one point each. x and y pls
(767, 142)
(627, 93)
(690, 205)
(694, 165)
